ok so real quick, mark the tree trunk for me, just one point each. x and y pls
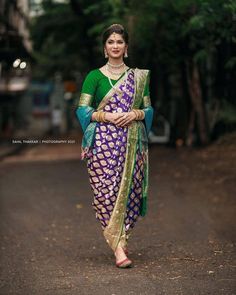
(198, 107)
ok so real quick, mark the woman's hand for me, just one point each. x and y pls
(126, 119)
(113, 117)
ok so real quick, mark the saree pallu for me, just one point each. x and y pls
(117, 160)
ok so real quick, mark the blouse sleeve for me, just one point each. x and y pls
(147, 108)
(146, 93)
(88, 90)
(84, 109)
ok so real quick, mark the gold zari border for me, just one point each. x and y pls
(115, 231)
(140, 80)
(85, 100)
(146, 101)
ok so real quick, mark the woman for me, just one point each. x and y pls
(115, 114)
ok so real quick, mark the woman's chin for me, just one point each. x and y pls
(116, 56)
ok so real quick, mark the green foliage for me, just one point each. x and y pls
(227, 112)
(165, 35)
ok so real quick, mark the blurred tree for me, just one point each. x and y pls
(181, 41)
(67, 37)
(187, 44)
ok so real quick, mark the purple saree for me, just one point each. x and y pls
(106, 166)
(117, 160)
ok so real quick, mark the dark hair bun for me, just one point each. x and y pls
(115, 28)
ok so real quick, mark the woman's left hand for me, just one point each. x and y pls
(126, 119)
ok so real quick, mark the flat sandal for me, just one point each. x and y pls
(125, 263)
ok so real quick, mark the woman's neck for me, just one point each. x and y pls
(115, 61)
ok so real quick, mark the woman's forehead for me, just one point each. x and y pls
(114, 36)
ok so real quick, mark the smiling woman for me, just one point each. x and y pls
(115, 114)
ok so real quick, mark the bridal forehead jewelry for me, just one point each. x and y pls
(116, 25)
(114, 35)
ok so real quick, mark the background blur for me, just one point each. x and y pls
(50, 242)
(47, 47)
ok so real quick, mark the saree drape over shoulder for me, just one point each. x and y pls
(117, 157)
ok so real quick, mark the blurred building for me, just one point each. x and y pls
(15, 49)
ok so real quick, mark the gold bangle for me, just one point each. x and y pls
(136, 114)
(95, 116)
(140, 115)
(98, 116)
(103, 117)
(138, 111)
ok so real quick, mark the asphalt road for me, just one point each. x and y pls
(51, 242)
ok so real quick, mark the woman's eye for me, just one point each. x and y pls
(119, 42)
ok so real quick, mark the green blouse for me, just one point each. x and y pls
(97, 85)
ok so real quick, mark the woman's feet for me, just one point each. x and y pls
(122, 261)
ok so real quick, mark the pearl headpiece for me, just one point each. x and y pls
(117, 25)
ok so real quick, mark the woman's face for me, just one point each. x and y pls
(115, 46)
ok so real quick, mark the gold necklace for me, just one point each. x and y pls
(115, 73)
(125, 81)
(115, 66)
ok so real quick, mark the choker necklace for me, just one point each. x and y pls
(115, 66)
(114, 73)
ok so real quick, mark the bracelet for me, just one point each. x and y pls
(136, 114)
(100, 116)
(140, 115)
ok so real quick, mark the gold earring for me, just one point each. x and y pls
(105, 53)
(126, 54)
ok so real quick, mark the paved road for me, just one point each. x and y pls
(51, 242)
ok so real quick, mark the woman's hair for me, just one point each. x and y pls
(115, 28)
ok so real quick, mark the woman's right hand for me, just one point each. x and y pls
(113, 117)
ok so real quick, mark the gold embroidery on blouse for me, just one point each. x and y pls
(85, 99)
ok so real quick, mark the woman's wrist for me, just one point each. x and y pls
(94, 115)
(139, 114)
(99, 116)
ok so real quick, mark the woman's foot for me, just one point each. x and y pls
(124, 263)
(125, 250)
(122, 260)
